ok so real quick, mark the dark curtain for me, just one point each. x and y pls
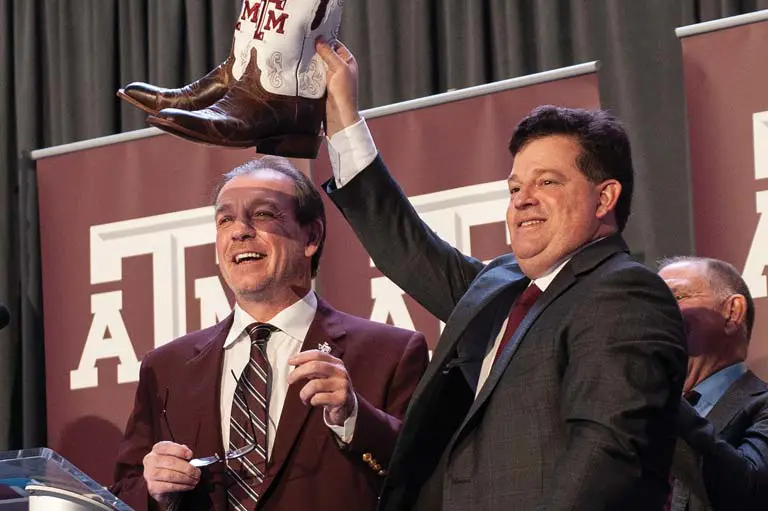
(62, 60)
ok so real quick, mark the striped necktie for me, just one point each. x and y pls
(252, 393)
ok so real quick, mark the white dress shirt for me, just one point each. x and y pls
(351, 150)
(293, 324)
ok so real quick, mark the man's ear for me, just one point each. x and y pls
(735, 309)
(609, 192)
(315, 231)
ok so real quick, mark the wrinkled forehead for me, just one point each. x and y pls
(686, 274)
(684, 269)
(264, 186)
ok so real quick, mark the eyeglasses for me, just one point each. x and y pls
(231, 454)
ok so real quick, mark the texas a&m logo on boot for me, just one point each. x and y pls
(267, 15)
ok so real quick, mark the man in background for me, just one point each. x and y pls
(305, 400)
(721, 461)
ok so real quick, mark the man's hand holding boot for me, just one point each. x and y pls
(341, 77)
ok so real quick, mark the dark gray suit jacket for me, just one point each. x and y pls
(721, 461)
(579, 411)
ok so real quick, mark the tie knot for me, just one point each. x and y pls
(259, 332)
(530, 295)
(692, 397)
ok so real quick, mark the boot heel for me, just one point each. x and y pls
(290, 146)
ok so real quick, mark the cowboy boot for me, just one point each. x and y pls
(277, 102)
(199, 94)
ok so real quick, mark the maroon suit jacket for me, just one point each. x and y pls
(308, 469)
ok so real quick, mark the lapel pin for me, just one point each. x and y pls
(324, 347)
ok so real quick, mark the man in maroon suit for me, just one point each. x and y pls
(306, 399)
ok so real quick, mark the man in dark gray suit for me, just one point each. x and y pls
(556, 381)
(721, 460)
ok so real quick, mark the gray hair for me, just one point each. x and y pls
(725, 280)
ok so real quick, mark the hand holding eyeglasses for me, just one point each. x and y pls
(231, 454)
(328, 384)
(167, 471)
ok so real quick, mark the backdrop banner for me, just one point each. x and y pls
(127, 234)
(727, 104)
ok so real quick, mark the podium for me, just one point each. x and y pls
(41, 480)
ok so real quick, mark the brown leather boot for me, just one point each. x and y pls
(208, 89)
(278, 102)
(249, 116)
(199, 94)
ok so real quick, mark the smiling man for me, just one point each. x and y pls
(556, 381)
(304, 401)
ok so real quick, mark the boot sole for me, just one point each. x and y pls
(290, 146)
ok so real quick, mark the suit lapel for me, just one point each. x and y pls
(203, 395)
(728, 406)
(485, 308)
(582, 262)
(201, 392)
(477, 321)
(562, 282)
(326, 331)
(488, 301)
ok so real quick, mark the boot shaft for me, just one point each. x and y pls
(283, 32)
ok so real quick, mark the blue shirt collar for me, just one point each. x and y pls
(715, 385)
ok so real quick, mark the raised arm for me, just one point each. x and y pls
(403, 247)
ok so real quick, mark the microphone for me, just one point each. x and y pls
(5, 316)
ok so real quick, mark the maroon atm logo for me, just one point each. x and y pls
(267, 15)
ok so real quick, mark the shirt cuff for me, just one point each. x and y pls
(346, 432)
(351, 150)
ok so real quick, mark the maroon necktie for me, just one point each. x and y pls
(518, 311)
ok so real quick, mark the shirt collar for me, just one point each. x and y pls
(714, 386)
(544, 281)
(294, 320)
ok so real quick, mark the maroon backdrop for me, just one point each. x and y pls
(725, 84)
(128, 259)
